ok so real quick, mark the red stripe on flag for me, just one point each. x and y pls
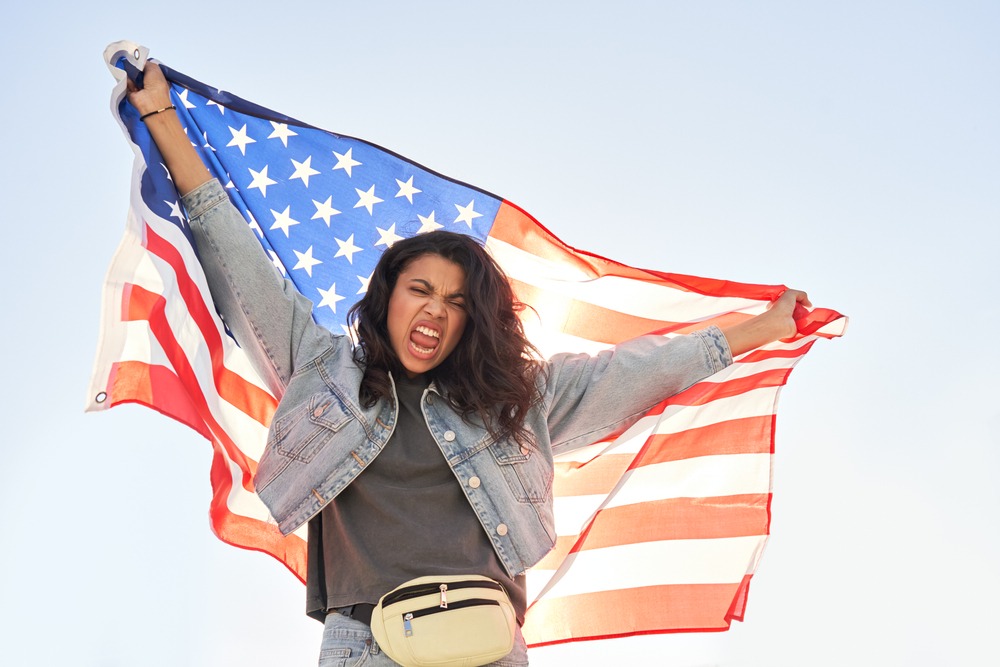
(705, 392)
(749, 435)
(776, 353)
(679, 519)
(646, 610)
(235, 390)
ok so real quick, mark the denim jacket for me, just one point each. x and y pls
(321, 438)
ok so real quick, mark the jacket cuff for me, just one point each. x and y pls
(204, 197)
(717, 347)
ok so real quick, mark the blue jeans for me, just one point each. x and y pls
(349, 643)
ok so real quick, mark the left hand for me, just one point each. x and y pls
(777, 323)
(784, 310)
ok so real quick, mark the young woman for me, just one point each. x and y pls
(427, 449)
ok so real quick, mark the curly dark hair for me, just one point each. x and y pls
(491, 373)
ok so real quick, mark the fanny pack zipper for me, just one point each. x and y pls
(442, 588)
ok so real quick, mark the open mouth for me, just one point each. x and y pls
(424, 340)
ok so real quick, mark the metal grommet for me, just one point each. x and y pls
(135, 54)
(101, 397)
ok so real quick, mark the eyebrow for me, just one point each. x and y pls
(427, 284)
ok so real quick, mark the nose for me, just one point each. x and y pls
(434, 306)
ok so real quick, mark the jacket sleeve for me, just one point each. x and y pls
(590, 397)
(270, 319)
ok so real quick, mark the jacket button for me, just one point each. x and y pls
(449, 435)
(430, 399)
(474, 482)
(502, 529)
(319, 411)
(525, 450)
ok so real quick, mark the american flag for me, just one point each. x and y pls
(660, 528)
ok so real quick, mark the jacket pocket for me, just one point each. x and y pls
(527, 472)
(306, 429)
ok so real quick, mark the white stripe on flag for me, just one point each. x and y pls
(699, 477)
(753, 403)
(667, 562)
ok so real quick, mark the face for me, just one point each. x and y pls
(427, 312)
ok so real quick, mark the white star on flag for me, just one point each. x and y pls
(260, 180)
(466, 214)
(324, 210)
(240, 139)
(387, 237)
(330, 297)
(283, 221)
(347, 248)
(282, 132)
(367, 198)
(306, 260)
(303, 171)
(184, 99)
(345, 162)
(175, 210)
(428, 223)
(406, 189)
(364, 283)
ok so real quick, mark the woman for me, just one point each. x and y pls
(427, 449)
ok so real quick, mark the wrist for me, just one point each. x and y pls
(146, 100)
(149, 114)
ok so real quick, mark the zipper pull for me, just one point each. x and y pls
(407, 628)
(444, 596)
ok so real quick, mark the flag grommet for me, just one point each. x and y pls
(101, 397)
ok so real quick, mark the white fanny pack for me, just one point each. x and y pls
(445, 621)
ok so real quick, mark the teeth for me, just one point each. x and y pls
(427, 331)
(421, 350)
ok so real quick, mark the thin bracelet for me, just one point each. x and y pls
(153, 113)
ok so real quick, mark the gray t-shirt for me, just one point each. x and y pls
(405, 516)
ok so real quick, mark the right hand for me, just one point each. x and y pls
(155, 91)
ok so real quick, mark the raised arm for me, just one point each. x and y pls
(271, 320)
(153, 103)
(588, 397)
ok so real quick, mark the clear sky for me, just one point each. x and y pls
(851, 149)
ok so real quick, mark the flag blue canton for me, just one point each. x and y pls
(323, 206)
